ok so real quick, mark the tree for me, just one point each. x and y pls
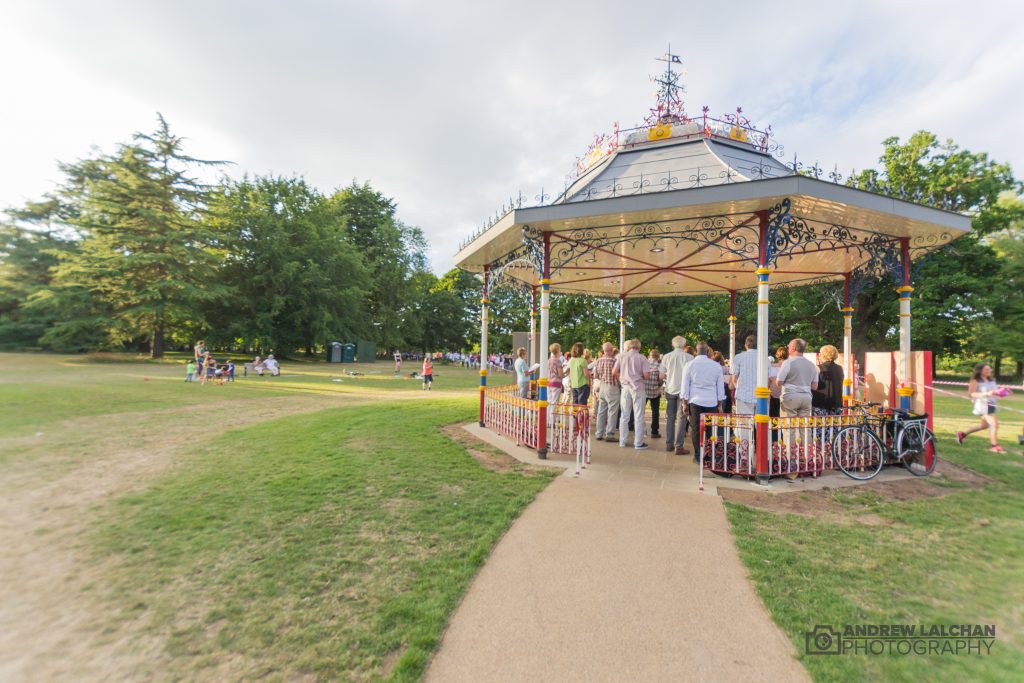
(27, 258)
(145, 251)
(392, 252)
(298, 280)
(952, 287)
(1001, 334)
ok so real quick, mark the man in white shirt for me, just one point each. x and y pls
(703, 389)
(744, 380)
(798, 377)
(672, 364)
(522, 375)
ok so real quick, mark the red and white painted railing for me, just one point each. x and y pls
(508, 414)
(570, 432)
(519, 419)
(797, 445)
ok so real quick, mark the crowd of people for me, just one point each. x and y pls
(694, 380)
(203, 367)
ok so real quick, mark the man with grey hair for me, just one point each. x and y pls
(607, 393)
(703, 390)
(798, 377)
(632, 371)
(672, 364)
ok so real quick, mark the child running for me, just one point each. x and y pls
(428, 373)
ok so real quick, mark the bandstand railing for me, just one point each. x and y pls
(508, 414)
(796, 445)
(568, 431)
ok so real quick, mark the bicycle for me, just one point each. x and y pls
(861, 450)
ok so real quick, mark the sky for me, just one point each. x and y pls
(450, 108)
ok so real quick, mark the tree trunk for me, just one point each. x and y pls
(996, 367)
(1019, 375)
(158, 341)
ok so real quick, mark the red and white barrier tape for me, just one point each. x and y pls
(958, 395)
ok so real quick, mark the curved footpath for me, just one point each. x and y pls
(605, 580)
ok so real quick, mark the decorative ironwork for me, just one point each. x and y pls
(669, 106)
(697, 179)
(501, 271)
(730, 234)
(640, 184)
(533, 242)
(762, 170)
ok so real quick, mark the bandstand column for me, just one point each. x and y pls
(542, 390)
(905, 389)
(761, 392)
(484, 362)
(622, 323)
(732, 328)
(847, 311)
(531, 355)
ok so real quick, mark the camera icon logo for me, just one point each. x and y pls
(823, 640)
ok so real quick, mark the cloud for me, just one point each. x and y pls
(453, 107)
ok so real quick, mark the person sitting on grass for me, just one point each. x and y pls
(983, 389)
(428, 373)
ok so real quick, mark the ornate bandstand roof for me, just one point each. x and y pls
(679, 205)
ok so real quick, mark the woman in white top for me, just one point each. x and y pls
(555, 375)
(983, 390)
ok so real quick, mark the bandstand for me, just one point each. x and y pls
(702, 205)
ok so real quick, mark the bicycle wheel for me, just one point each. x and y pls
(858, 452)
(915, 448)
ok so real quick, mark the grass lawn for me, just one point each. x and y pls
(332, 544)
(37, 390)
(328, 538)
(951, 560)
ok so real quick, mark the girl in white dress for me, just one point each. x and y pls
(984, 390)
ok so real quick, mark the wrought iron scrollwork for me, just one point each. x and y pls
(533, 243)
(729, 234)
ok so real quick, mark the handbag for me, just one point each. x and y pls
(980, 406)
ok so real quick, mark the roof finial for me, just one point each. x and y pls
(669, 106)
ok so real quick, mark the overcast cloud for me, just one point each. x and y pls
(451, 107)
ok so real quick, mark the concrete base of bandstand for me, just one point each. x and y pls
(657, 468)
(625, 573)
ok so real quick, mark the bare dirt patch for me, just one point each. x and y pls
(491, 457)
(52, 618)
(851, 504)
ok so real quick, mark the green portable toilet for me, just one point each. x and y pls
(366, 351)
(348, 353)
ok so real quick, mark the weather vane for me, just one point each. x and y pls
(669, 107)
